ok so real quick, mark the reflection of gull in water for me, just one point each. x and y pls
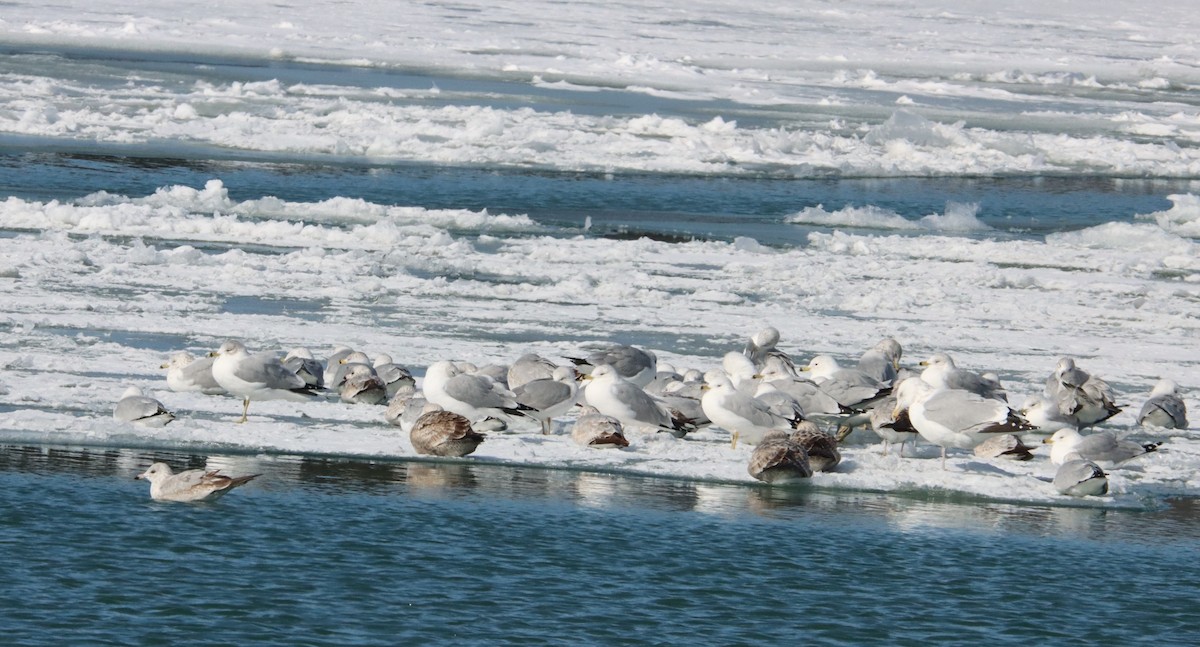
(1164, 408)
(594, 429)
(474, 396)
(1101, 447)
(444, 433)
(743, 416)
(1079, 477)
(1085, 398)
(186, 373)
(779, 459)
(549, 397)
(191, 485)
(257, 377)
(141, 410)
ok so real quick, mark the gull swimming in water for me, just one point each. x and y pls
(190, 485)
(1101, 447)
(549, 397)
(1080, 477)
(477, 397)
(778, 459)
(140, 409)
(954, 417)
(743, 416)
(1164, 408)
(594, 429)
(616, 396)
(630, 362)
(261, 376)
(186, 373)
(1085, 398)
(444, 433)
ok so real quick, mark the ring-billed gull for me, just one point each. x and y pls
(333, 361)
(941, 372)
(1007, 446)
(140, 409)
(1080, 477)
(444, 433)
(360, 385)
(632, 363)
(190, 485)
(594, 429)
(395, 377)
(529, 367)
(743, 416)
(1040, 412)
(1084, 397)
(404, 409)
(890, 425)
(849, 386)
(1101, 447)
(954, 417)
(1164, 408)
(257, 377)
(821, 447)
(762, 347)
(615, 396)
(310, 369)
(186, 373)
(474, 396)
(343, 365)
(882, 361)
(778, 459)
(550, 397)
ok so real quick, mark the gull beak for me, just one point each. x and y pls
(896, 412)
(757, 376)
(705, 387)
(805, 368)
(923, 363)
(896, 364)
(167, 365)
(213, 353)
(1047, 441)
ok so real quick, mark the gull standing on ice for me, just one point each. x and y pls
(333, 362)
(261, 376)
(1164, 408)
(616, 396)
(444, 433)
(779, 459)
(529, 367)
(743, 416)
(477, 397)
(954, 417)
(1101, 447)
(892, 425)
(762, 346)
(549, 397)
(394, 376)
(186, 373)
(1040, 412)
(140, 409)
(190, 485)
(1085, 398)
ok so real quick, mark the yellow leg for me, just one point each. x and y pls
(245, 409)
(733, 443)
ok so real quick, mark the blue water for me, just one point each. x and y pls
(335, 552)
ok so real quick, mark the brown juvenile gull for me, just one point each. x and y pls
(444, 433)
(594, 429)
(779, 459)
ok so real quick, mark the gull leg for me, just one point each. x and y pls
(245, 409)
(546, 427)
(943, 458)
(887, 445)
(733, 443)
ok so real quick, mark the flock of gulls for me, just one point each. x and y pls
(795, 415)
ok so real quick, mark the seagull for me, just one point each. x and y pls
(1101, 447)
(821, 447)
(632, 363)
(882, 361)
(394, 376)
(190, 485)
(257, 377)
(941, 372)
(186, 373)
(616, 396)
(444, 433)
(343, 366)
(310, 369)
(1004, 446)
(849, 386)
(549, 397)
(467, 394)
(778, 459)
(743, 416)
(529, 367)
(1084, 397)
(890, 425)
(404, 409)
(954, 417)
(136, 407)
(1040, 412)
(594, 429)
(333, 362)
(1080, 477)
(360, 385)
(1164, 408)
(762, 347)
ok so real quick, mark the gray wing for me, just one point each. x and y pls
(973, 382)
(1168, 407)
(1106, 447)
(183, 481)
(811, 398)
(877, 366)
(477, 391)
(199, 373)
(137, 407)
(543, 393)
(1073, 473)
(850, 394)
(964, 411)
(628, 360)
(752, 409)
(266, 369)
(645, 409)
(529, 367)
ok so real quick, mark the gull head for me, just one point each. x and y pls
(231, 347)
(155, 473)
